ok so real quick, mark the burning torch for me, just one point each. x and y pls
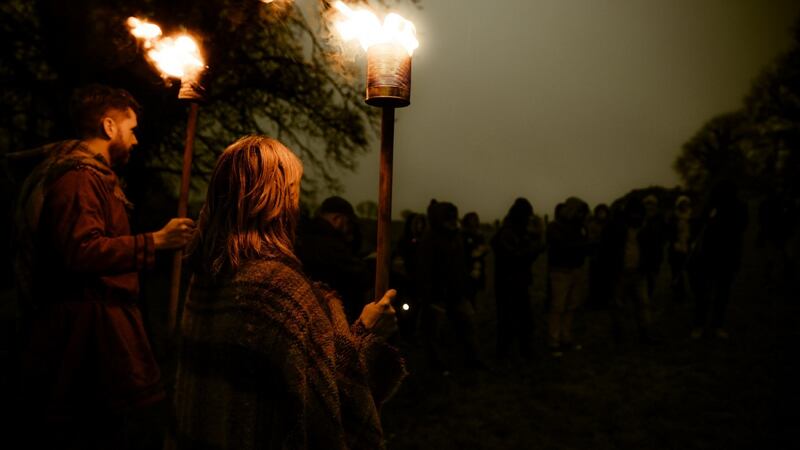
(389, 46)
(176, 57)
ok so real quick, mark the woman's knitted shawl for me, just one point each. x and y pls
(268, 361)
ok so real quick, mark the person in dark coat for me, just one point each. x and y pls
(681, 234)
(778, 220)
(442, 277)
(515, 250)
(600, 289)
(475, 250)
(717, 257)
(326, 247)
(568, 246)
(414, 229)
(654, 237)
(88, 364)
(405, 272)
(628, 253)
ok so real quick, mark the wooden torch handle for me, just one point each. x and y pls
(183, 206)
(384, 249)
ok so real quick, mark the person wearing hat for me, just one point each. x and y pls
(327, 248)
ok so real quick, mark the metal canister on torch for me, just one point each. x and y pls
(388, 76)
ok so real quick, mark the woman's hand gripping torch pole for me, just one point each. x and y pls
(379, 317)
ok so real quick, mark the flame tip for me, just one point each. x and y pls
(174, 56)
(364, 26)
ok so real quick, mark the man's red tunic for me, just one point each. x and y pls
(89, 350)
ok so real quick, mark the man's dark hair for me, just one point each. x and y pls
(91, 103)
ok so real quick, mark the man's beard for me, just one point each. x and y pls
(119, 154)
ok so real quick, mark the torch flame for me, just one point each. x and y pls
(174, 56)
(142, 29)
(365, 26)
(177, 57)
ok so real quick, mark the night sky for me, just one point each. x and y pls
(551, 98)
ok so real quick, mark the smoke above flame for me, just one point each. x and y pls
(363, 25)
(176, 56)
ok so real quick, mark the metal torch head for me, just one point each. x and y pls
(388, 76)
(191, 89)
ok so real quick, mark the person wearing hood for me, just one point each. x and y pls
(515, 250)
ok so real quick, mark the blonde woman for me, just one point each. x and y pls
(268, 359)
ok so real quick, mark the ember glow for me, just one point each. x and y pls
(174, 56)
(363, 25)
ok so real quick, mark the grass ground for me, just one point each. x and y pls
(681, 394)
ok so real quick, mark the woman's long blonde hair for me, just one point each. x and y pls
(251, 206)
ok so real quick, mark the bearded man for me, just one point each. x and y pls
(88, 362)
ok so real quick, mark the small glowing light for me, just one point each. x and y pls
(406, 307)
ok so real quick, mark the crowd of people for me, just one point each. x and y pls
(283, 343)
(607, 258)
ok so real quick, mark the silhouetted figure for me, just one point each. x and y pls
(268, 359)
(405, 275)
(442, 277)
(779, 218)
(717, 257)
(681, 237)
(600, 286)
(327, 246)
(408, 246)
(567, 248)
(88, 366)
(475, 250)
(627, 247)
(515, 250)
(654, 237)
